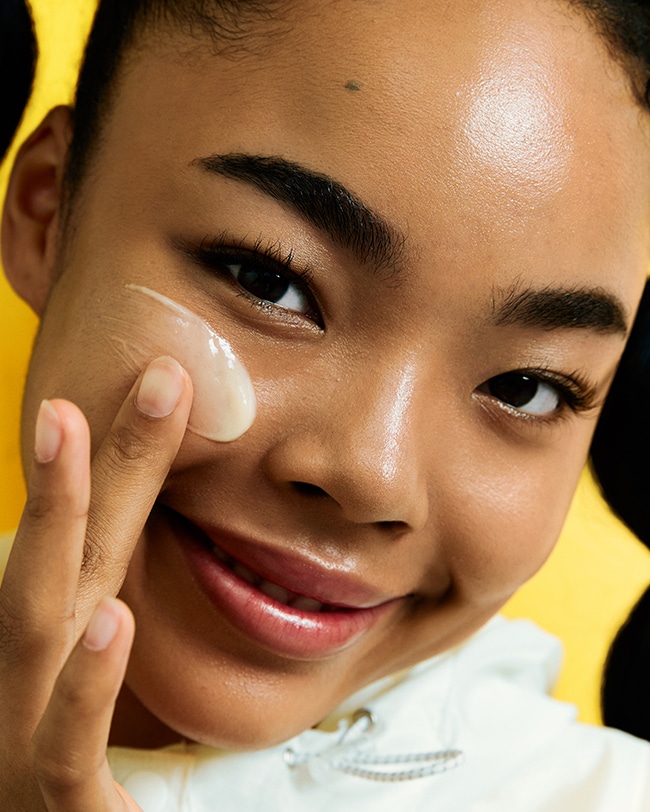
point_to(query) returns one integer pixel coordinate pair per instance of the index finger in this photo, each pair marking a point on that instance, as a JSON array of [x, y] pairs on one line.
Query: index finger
[[128, 472]]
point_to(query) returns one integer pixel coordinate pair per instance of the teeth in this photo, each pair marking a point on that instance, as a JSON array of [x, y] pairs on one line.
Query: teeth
[[221, 555], [279, 593], [245, 574], [307, 604]]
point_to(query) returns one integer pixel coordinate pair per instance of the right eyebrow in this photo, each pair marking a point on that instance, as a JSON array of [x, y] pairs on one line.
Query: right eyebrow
[[553, 308], [321, 201]]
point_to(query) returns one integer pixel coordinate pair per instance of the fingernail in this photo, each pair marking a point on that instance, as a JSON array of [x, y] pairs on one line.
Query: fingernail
[[102, 627], [48, 433], [161, 387]]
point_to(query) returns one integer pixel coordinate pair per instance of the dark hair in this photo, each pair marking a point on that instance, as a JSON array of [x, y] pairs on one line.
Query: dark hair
[[621, 460], [17, 63], [117, 26], [620, 450], [625, 26], [621, 445]]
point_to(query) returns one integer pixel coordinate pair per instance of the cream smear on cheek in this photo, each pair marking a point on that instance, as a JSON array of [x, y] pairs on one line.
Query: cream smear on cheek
[[146, 324]]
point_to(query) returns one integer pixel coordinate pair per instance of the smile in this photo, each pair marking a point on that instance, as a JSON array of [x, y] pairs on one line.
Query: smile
[[283, 621], [272, 590]]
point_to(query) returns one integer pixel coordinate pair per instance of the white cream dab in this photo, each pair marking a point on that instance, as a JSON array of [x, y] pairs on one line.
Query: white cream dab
[[224, 400]]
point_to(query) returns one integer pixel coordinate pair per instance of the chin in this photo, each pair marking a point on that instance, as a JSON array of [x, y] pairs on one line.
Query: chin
[[236, 714]]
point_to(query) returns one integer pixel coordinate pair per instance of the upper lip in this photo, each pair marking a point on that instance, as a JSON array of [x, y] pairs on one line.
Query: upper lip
[[327, 582]]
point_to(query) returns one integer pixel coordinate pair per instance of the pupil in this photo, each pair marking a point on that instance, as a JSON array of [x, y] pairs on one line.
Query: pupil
[[516, 390], [264, 284]]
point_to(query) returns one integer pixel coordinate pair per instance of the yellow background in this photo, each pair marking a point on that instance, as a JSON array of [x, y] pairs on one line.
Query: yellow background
[[582, 594]]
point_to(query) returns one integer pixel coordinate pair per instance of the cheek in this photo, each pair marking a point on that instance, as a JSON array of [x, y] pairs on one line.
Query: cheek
[[92, 348], [145, 323], [513, 509]]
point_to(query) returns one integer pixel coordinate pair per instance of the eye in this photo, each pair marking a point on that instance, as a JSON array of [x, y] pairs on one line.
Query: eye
[[526, 393], [270, 285], [264, 272]]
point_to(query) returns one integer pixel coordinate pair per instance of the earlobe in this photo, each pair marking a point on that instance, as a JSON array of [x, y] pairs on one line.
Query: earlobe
[[33, 209]]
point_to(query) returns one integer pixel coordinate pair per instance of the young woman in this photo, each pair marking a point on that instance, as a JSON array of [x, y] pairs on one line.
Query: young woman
[[331, 297]]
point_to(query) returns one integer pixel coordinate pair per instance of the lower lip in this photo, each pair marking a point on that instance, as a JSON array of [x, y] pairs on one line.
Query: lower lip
[[277, 628]]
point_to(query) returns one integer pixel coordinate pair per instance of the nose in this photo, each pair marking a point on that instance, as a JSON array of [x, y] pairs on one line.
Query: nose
[[356, 445]]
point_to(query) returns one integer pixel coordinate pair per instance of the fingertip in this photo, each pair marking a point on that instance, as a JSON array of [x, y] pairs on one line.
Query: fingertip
[[70, 415], [61, 454], [57, 421], [48, 433], [109, 617], [161, 387]]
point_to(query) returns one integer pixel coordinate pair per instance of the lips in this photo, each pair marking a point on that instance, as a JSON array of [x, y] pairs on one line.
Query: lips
[[279, 593], [284, 604]]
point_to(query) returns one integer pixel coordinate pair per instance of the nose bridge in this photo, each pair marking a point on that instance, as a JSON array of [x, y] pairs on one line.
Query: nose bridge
[[390, 418], [383, 463], [363, 450]]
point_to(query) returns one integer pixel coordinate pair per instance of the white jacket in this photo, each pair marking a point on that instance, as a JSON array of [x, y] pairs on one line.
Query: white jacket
[[521, 750]]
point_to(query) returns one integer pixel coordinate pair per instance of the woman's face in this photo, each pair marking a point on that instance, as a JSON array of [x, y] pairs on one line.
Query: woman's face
[[428, 370]]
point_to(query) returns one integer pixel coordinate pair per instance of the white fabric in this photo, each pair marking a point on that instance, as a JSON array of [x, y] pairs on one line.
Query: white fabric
[[524, 752]]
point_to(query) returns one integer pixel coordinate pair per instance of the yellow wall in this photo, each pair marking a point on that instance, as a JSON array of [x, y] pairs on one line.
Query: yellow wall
[[61, 28], [585, 591], [589, 583]]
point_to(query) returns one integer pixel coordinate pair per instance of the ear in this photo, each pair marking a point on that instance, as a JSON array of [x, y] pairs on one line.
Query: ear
[[32, 210]]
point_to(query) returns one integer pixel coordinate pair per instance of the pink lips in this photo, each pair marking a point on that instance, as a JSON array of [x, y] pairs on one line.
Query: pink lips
[[286, 605]]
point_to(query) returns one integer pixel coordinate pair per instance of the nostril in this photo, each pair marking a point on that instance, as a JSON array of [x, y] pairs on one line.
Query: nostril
[[394, 528], [307, 489]]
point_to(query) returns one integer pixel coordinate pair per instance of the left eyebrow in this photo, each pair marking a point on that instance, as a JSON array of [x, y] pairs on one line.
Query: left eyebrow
[[553, 308], [321, 201]]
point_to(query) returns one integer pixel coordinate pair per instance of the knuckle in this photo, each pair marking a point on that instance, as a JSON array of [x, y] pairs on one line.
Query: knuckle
[[50, 769], [43, 505], [98, 558], [26, 636], [58, 765], [73, 695], [39, 506], [128, 446], [94, 569], [92, 561]]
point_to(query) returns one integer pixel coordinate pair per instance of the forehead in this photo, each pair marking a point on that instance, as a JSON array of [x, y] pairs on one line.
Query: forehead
[[486, 123]]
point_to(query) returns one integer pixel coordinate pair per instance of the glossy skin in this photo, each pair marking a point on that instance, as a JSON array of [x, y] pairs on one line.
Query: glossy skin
[[505, 144]]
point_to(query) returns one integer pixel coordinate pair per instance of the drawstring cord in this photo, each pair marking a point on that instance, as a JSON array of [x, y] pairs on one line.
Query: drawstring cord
[[350, 754]]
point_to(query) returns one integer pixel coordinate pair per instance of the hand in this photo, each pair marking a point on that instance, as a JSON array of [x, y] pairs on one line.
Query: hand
[[57, 686]]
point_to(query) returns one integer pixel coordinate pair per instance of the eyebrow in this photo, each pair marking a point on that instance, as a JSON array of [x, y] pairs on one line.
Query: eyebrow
[[552, 308], [321, 201]]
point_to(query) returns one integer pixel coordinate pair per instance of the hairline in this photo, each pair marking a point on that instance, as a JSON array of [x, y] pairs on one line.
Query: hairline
[[231, 36], [229, 26]]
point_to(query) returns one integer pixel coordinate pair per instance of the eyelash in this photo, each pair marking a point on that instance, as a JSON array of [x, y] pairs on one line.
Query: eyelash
[[217, 253], [577, 395]]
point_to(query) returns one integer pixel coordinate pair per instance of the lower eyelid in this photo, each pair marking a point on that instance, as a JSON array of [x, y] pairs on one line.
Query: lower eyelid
[[504, 414], [277, 314], [575, 397]]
